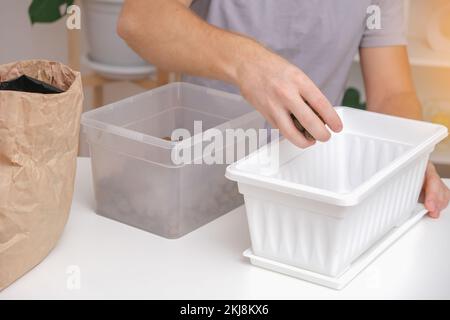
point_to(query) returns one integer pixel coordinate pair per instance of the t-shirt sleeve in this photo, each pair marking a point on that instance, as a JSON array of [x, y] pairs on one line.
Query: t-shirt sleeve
[[391, 31]]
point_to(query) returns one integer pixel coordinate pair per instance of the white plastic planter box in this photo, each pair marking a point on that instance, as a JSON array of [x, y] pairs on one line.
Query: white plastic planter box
[[135, 179], [325, 205]]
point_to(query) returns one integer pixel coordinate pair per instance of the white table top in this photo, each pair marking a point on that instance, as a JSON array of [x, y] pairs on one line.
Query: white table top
[[118, 261]]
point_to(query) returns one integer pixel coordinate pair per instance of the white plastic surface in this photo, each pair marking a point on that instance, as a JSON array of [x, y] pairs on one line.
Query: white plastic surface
[[357, 266], [325, 205], [135, 179]]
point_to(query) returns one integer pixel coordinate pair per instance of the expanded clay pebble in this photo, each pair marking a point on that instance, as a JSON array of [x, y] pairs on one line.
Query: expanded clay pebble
[[170, 139], [300, 128]]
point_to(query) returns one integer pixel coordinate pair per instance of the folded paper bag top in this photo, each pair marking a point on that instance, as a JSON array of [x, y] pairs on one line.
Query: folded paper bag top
[[38, 147]]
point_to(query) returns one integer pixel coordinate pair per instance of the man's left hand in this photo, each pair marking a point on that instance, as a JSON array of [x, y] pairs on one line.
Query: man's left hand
[[435, 194]]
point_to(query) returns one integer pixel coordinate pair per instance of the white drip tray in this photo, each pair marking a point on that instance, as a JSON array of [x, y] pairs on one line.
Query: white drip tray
[[356, 267]]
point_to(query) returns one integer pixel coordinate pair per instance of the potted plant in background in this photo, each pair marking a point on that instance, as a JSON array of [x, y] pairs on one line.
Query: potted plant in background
[[108, 54], [46, 11]]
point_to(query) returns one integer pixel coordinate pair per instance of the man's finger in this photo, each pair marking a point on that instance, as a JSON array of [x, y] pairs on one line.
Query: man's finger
[[289, 131], [433, 212], [308, 119], [432, 195], [443, 196], [317, 101]]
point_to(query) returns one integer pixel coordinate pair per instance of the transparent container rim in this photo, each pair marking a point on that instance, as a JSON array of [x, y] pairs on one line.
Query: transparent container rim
[[88, 118]]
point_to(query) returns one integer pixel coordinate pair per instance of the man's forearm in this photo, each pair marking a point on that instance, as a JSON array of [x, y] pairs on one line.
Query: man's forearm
[[388, 82], [402, 104], [168, 34]]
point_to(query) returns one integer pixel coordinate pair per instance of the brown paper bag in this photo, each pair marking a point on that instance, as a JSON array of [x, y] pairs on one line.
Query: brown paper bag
[[39, 136]]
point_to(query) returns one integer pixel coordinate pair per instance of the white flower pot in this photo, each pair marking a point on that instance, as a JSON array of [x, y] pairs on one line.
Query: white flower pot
[[106, 48]]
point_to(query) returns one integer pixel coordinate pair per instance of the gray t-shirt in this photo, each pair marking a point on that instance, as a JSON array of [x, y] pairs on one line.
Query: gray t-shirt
[[320, 36]]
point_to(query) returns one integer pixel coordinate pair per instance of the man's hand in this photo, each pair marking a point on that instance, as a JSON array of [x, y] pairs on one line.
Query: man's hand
[[278, 89], [435, 194], [172, 37]]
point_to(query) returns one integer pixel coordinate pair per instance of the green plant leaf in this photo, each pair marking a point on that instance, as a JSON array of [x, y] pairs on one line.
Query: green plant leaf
[[46, 10], [352, 98]]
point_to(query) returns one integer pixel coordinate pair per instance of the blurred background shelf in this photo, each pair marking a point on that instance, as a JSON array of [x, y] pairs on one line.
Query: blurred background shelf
[[441, 157], [421, 55]]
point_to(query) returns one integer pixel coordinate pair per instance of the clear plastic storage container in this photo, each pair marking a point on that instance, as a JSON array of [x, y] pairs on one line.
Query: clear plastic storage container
[[135, 180], [323, 206]]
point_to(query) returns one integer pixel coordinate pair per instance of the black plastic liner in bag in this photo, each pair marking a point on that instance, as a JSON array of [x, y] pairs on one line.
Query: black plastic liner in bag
[[25, 83]]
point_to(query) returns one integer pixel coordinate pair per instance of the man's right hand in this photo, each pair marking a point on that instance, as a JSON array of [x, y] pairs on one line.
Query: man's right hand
[[278, 89]]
